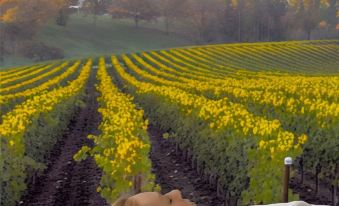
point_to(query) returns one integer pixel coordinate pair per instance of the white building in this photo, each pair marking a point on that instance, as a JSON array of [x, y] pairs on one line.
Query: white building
[[79, 6]]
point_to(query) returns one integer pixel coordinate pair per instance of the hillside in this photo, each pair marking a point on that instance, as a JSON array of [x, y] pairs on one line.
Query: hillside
[[81, 38]]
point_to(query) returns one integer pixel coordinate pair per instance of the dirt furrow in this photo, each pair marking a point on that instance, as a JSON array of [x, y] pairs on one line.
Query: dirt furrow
[[307, 192], [66, 182], [174, 173]]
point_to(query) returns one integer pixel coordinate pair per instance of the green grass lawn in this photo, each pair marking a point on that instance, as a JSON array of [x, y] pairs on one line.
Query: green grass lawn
[[81, 38]]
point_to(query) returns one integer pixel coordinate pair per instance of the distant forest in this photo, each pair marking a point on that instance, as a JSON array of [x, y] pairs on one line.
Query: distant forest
[[204, 21]]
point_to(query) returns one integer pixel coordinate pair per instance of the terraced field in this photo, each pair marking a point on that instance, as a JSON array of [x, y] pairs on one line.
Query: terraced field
[[226, 115]]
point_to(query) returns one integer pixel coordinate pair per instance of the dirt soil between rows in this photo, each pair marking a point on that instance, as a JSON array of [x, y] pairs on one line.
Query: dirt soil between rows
[[307, 193], [172, 172], [66, 182]]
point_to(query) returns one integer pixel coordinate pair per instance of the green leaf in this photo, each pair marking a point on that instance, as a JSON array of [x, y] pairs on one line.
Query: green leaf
[[82, 154]]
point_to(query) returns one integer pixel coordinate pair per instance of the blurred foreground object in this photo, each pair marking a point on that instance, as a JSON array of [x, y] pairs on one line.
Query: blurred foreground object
[[172, 198]]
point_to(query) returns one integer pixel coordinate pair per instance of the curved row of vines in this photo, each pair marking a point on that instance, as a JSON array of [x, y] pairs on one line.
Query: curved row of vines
[[237, 109]]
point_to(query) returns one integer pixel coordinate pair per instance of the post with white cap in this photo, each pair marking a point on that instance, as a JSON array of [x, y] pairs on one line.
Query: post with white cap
[[288, 163]]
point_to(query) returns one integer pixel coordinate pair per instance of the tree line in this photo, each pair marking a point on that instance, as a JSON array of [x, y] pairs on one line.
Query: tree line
[[205, 21], [235, 20]]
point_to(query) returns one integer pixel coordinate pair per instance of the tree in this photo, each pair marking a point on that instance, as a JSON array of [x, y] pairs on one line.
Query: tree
[[332, 13], [62, 16], [20, 20], [171, 10], [137, 10], [95, 8], [307, 15], [228, 25], [34, 11], [201, 18], [240, 9], [91, 7], [269, 15]]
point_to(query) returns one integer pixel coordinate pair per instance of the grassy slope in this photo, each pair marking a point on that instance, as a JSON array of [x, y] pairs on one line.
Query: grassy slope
[[81, 38]]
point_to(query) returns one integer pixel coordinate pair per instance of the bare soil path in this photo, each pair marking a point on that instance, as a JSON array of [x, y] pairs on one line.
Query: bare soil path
[[307, 191], [172, 172], [66, 182]]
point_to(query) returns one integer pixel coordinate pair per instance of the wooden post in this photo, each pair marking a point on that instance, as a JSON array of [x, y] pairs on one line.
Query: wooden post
[[317, 172], [288, 163], [302, 171]]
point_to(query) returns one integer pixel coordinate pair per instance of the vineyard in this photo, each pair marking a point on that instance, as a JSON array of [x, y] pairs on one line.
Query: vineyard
[[226, 115]]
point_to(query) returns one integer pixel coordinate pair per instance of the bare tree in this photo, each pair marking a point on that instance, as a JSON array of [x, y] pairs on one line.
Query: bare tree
[[137, 10], [171, 10]]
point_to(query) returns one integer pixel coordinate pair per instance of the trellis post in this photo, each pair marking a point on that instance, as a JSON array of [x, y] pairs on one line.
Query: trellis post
[[288, 162]]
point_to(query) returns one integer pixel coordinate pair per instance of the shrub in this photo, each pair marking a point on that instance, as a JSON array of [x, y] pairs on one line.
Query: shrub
[[41, 52]]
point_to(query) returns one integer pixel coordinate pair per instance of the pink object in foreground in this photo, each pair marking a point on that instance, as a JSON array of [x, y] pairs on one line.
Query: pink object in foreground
[[172, 198]]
